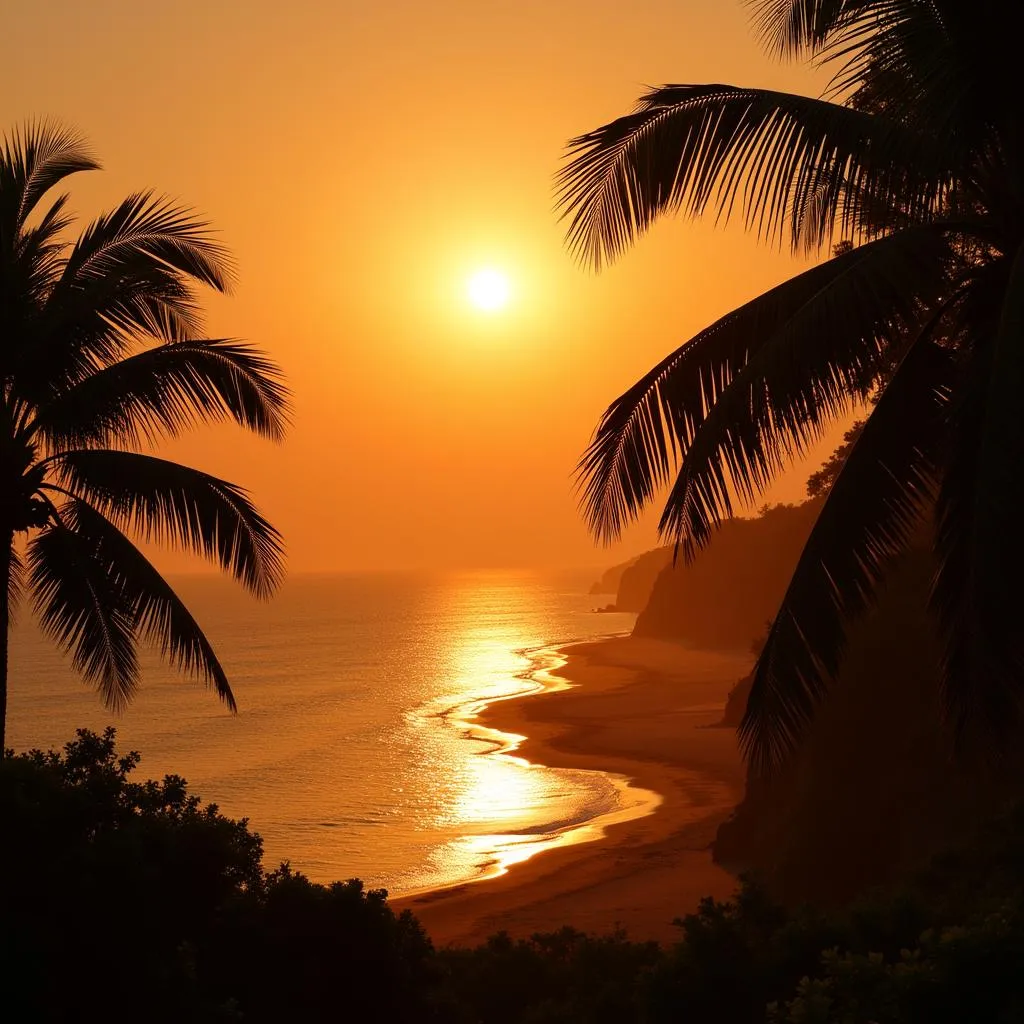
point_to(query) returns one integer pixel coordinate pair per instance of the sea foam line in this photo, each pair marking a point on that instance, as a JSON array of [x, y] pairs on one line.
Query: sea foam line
[[497, 852]]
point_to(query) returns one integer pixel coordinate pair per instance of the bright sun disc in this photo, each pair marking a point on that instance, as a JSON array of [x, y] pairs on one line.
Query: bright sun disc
[[488, 289]]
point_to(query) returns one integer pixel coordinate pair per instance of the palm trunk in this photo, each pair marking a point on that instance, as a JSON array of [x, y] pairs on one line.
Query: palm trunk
[[6, 545]]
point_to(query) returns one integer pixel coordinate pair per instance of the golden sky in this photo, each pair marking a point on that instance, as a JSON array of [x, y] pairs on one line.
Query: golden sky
[[362, 159]]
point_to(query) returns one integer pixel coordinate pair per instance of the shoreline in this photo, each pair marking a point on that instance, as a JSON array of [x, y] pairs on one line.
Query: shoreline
[[475, 721], [637, 711]]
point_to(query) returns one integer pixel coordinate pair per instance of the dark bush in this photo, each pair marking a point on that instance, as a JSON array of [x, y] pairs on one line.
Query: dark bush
[[293, 950], [548, 978], [133, 901]]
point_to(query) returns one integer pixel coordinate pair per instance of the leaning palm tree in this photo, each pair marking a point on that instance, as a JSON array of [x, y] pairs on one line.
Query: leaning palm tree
[[916, 154], [101, 351]]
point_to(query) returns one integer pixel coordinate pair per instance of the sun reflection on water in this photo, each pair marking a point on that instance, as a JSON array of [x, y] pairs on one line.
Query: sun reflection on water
[[502, 808], [499, 791]]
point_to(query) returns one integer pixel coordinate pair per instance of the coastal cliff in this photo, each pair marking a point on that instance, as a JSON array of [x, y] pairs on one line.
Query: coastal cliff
[[609, 581], [733, 587], [637, 582], [632, 582]]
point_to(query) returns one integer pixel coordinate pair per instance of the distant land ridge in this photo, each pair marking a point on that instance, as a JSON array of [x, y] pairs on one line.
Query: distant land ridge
[[632, 582], [733, 587]]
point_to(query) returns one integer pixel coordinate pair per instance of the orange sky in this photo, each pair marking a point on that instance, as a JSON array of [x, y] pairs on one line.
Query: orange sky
[[361, 159]]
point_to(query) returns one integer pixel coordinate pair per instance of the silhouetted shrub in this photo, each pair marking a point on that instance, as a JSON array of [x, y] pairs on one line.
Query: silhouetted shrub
[[106, 884], [548, 978], [734, 957], [123, 900], [953, 975], [293, 950]]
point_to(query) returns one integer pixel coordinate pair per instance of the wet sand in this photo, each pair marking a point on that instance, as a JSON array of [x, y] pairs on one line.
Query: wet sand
[[643, 709]]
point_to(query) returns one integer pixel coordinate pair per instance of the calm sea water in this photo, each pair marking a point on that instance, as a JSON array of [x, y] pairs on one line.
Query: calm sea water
[[353, 752]]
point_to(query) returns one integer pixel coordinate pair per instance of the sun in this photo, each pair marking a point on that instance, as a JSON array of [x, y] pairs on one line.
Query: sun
[[488, 289]]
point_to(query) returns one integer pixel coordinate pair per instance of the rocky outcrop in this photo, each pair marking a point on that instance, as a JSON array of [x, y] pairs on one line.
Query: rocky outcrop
[[734, 586], [609, 581], [736, 702], [638, 579], [633, 580]]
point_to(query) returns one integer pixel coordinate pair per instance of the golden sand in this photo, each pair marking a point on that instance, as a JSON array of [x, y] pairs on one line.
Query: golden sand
[[645, 710]]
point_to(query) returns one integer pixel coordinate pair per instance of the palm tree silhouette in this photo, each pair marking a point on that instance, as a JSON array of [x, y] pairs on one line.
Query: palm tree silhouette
[[917, 155], [101, 350]]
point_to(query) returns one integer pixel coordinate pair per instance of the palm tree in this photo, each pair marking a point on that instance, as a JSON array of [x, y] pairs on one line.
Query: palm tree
[[916, 154], [101, 351]]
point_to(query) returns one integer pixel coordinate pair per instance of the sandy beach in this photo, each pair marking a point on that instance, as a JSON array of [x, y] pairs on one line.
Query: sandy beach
[[645, 710]]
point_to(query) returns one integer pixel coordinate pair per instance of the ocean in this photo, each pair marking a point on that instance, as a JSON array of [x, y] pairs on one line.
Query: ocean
[[354, 753]]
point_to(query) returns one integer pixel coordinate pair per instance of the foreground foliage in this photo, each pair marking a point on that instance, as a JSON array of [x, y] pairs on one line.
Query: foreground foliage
[[124, 900], [915, 156], [133, 901]]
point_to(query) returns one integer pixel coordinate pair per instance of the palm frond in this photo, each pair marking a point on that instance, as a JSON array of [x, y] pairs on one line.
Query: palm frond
[[169, 503], [157, 612], [147, 227], [83, 330], [33, 159], [914, 60], [790, 28], [167, 389], [81, 610], [796, 383], [946, 66], [980, 545], [41, 248], [643, 434], [15, 585], [129, 278], [776, 155], [868, 517]]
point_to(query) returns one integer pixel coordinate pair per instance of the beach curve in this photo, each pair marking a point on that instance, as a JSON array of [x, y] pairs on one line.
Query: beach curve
[[639, 711]]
